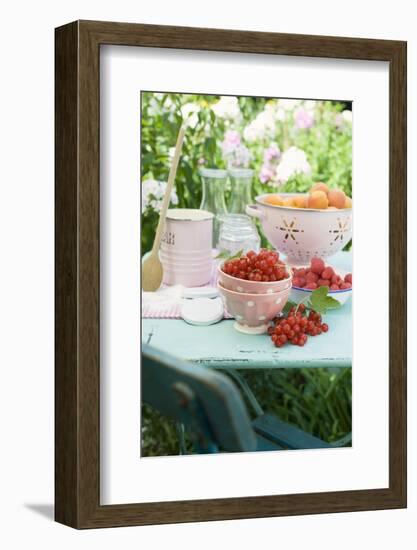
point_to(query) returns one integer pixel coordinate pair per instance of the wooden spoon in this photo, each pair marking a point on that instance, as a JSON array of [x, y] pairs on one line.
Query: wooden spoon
[[152, 270]]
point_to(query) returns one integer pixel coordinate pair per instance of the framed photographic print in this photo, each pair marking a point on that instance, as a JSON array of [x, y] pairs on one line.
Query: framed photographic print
[[215, 192]]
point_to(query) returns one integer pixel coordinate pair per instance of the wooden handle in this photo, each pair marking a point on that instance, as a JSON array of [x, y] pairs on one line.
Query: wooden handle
[[168, 190]]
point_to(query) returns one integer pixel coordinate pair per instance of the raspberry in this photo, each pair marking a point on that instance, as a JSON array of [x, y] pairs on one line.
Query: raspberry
[[334, 287], [299, 281], [323, 282], [327, 273], [348, 278], [311, 286], [345, 286], [317, 265], [312, 277]]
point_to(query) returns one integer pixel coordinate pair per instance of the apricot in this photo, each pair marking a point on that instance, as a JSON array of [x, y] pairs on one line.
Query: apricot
[[300, 201], [317, 200], [288, 201], [275, 200], [336, 198], [319, 186], [348, 202]]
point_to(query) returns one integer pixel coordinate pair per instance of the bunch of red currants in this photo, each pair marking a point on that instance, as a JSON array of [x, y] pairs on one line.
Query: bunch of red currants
[[296, 326], [262, 267]]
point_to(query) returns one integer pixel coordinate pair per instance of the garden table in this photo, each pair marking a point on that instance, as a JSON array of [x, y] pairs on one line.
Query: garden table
[[220, 346]]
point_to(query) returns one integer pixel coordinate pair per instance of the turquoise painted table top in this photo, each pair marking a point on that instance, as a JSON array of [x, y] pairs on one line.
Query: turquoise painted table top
[[221, 346]]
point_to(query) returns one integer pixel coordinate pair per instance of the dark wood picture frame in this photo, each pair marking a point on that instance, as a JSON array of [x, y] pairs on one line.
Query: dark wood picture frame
[[77, 374]]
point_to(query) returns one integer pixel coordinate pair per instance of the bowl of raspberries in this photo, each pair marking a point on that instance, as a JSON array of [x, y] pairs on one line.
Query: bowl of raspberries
[[318, 274]]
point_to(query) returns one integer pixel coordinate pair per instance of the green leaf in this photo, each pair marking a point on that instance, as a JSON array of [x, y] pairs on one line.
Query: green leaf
[[321, 302], [226, 255]]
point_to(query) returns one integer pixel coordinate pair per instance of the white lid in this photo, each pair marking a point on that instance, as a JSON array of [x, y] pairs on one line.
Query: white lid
[[202, 311], [190, 214]]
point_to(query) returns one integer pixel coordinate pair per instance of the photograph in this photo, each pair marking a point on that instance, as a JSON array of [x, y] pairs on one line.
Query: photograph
[[246, 251]]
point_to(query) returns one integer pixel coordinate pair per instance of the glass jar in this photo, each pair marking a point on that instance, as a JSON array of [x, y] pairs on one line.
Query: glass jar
[[214, 183], [241, 190], [237, 232]]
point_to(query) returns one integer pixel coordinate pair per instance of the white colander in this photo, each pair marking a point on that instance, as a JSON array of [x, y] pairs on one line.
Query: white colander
[[302, 233]]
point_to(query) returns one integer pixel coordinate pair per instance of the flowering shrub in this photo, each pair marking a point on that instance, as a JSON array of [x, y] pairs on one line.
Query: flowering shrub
[[152, 194], [235, 154], [290, 143]]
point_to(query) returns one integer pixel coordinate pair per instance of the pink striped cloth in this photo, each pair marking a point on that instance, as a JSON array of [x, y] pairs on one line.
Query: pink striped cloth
[[166, 302]]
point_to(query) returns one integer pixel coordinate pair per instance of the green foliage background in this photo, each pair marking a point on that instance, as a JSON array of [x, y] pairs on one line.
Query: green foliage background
[[328, 145]]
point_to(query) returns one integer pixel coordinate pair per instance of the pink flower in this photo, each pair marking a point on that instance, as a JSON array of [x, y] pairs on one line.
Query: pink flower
[[303, 119], [267, 173], [272, 153], [232, 137]]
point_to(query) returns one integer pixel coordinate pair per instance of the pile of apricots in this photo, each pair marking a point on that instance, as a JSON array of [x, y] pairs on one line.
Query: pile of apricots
[[320, 197]]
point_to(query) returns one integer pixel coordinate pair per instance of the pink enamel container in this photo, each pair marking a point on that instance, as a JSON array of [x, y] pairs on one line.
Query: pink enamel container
[[253, 312], [301, 233], [252, 287], [185, 251]]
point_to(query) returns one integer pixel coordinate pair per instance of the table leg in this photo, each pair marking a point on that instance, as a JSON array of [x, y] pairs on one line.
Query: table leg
[[246, 389], [342, 442], [181, 437]]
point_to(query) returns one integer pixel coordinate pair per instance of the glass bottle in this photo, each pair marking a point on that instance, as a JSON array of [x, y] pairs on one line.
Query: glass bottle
[[214, 182], [241, 190], [237, 232]]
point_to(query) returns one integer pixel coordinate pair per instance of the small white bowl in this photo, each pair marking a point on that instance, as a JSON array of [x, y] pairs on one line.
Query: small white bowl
[[342, 296], [299, 294]]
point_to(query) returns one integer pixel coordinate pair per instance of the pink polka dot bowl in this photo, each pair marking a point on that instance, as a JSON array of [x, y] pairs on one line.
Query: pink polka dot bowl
[[252, 287], [253, 312]]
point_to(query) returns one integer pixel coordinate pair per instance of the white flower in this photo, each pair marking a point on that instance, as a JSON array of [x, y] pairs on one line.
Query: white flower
[[189, 114], [347, 116], [288, 104], [280, 114], [227, 107], [294, 161], [271, 106], [262, 126], [171, 153], [235, 153], [309, 104], [168, 103], [238, 158], [152, 194]]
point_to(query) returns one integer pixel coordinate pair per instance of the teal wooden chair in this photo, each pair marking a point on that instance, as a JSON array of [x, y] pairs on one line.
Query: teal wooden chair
[[210, 407]]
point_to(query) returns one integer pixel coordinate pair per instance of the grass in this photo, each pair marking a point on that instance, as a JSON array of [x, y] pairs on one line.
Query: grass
[[318, 401]]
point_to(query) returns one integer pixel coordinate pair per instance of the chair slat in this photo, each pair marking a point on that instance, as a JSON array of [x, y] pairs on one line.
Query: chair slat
[[219, 399]]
